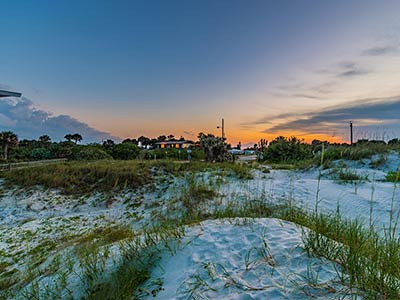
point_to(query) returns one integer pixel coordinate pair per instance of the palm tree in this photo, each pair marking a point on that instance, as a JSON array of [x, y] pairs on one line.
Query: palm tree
[[44, 140], [8, 139]]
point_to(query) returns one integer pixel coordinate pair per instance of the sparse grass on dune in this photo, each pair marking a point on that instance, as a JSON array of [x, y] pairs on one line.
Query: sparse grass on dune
[[349, 176], [82, 177], [109, 175], [87, 257], [369, 260]]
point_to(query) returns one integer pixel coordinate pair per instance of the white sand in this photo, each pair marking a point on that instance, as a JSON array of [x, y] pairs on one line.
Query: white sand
[[29, 218], [212, 264]]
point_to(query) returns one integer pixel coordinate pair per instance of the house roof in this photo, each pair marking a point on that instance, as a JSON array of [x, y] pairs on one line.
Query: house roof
[[174, 142], [9, 94]]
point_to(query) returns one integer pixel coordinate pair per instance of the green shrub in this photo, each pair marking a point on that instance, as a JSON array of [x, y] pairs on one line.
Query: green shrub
[[287, 150], [355, 152], [215, 148], [350, 176], [92, 154], [172, 153], [19, 153], [40, 153], [393, 176], [125, 151]]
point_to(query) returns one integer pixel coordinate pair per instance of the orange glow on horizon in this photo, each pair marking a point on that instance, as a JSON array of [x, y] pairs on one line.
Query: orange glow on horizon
[[246, 137]]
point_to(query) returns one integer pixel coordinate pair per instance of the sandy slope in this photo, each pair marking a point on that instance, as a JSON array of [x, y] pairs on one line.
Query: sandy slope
[[239, 259], [32, 221]]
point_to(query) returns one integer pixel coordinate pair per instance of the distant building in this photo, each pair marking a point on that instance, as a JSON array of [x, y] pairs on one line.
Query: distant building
[[174, 144]]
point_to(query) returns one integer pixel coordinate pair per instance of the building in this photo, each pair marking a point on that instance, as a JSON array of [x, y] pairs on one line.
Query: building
[[174, 144], [9, 94]]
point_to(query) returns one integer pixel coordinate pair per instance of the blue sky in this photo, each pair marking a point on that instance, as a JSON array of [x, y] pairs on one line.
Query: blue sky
[[129, 68]]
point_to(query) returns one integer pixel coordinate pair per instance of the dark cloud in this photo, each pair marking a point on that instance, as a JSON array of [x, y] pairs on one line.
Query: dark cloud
[[381, 50], [189, 133], [366, 113], [306, 96], [350, 69], [21, 116]]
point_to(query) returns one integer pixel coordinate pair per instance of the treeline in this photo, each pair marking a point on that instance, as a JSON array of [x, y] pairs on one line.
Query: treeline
[[293, 149], [208, 147], [14, 150]]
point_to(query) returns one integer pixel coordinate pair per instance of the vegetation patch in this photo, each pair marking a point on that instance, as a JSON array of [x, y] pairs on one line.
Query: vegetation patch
[[349, 176], [82, 177], [393, 176]]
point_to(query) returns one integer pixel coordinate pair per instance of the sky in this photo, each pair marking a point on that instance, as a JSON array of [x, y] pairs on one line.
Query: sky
[[118, 69]]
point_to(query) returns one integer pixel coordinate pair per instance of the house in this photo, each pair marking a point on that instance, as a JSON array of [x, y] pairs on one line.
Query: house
[[174, 144]]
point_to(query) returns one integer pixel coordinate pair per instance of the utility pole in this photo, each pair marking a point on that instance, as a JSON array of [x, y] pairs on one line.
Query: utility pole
[[222, 128], [351, 132]]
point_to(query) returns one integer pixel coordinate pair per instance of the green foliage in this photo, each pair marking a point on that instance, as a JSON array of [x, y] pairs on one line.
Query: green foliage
[[91, 153], [369, 261], [393, 176], [63, 149], [215, 148], [349, 153], [172, 153], [8, 140], [287, 150], [82, 178], [40, 153], [348, 176], [125, 151], [355, 152]]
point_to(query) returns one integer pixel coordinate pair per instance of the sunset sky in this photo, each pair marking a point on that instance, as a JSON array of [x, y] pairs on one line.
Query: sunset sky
[[129, 68]]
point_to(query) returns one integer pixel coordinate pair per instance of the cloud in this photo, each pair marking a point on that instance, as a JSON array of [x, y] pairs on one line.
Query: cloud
[[381, 50], [306, 96], [350, 69], [366, 115], [189, 133], [21, 117]]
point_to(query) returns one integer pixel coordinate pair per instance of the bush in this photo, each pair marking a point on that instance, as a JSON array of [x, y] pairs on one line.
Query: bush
[[393, 176], [174, 154], [215, 148], [92, 154], [287, 150], [19, 153], [125, 151], [40, 153], [350, 176], [64, 149]]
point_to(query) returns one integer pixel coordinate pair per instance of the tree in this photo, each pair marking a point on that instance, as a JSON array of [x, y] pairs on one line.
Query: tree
[[132, 141], [262, 144], [144, 140], [68, 137], [108, 144], [8, 139], [214, 148], [161, 138], [125, 151], [44, 140], [76, 137]]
